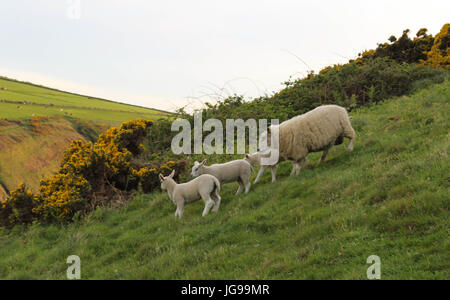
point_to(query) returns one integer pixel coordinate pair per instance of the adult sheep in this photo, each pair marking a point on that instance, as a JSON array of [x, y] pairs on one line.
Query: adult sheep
[[315, 131]]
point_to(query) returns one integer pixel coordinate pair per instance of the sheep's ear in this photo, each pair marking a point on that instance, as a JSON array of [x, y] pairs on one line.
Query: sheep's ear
[[161, 177], [195, 163], [204, 162], [247, 156], [172, 174]]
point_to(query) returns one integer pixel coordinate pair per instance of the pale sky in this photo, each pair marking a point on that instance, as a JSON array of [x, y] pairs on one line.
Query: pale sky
[[166, 54]]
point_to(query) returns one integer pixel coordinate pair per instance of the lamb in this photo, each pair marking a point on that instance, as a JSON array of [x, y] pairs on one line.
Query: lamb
[[256, 159], [315, 131], [206, 187], [236, 170]]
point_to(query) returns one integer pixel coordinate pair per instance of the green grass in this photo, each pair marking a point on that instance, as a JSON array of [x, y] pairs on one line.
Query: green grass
[[49, 102], [390, 198]]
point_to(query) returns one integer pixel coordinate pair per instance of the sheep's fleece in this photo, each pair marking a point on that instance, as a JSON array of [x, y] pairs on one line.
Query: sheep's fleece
[[314, 131]]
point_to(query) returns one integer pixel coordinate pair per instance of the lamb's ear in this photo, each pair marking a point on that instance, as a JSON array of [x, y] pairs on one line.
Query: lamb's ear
[[195, 163], [204, 162], [161, 177], [172, 174], [247, 156]]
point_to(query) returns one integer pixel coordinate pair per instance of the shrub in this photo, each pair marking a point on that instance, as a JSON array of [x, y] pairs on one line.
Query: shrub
[[148, 176], [18, 208], [61, 197], [439, 54]]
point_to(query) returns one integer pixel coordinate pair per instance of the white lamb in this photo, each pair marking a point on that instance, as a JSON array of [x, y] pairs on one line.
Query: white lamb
[[206, 187], [315, 131], [255, 159], [236, 170]]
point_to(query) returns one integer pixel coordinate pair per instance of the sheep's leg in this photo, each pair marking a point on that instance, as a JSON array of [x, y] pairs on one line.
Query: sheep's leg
[[324, 155], [295, 166], [274, 173], [217, 200], [246, 184], [209, 203], [260, 172], [350, 146], [241, 187], [349, 133], [180, 210], [299, 165]]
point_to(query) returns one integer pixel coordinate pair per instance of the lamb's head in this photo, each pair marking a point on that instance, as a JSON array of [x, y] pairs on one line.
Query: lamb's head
[[255, 158], [197, 169], [252, 159], [164, 180]]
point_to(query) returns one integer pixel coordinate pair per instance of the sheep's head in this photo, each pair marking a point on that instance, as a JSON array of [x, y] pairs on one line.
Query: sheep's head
[[197, 168], [165, 179]]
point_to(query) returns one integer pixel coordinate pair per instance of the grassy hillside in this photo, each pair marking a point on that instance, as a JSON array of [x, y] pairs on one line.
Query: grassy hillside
[[390, 198], [24, 100]]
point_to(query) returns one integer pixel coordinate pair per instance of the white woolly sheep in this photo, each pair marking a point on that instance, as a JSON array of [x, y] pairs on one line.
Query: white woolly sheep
[[206, 187], [315, 131], [236, 170]]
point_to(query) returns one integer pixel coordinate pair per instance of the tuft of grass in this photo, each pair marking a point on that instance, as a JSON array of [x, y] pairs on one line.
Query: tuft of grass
[[387, 198]]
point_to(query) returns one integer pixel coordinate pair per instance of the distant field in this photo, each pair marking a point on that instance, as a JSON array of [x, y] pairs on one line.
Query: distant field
[[41, 101]]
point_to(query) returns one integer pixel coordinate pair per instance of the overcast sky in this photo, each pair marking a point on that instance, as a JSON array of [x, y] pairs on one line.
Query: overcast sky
[[165, 54]]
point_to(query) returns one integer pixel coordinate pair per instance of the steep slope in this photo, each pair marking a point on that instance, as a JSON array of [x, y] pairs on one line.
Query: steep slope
[[387, 198], [32, 150]]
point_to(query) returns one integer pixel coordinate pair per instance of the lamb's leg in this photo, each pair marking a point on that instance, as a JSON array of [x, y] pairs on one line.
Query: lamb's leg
[[324, 155], [208, 204], [260, 172], [247, 184], [216, 197], [274, 173], [180, 210], [241, 187]]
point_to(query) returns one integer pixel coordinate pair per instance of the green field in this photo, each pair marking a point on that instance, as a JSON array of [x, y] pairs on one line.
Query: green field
[[41, 101], [390, 198]]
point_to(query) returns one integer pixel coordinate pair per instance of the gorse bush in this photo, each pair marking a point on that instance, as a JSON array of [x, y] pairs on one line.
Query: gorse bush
[[18, 208], [439, 54], [423, 49], [91, 174], [61, 197]]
